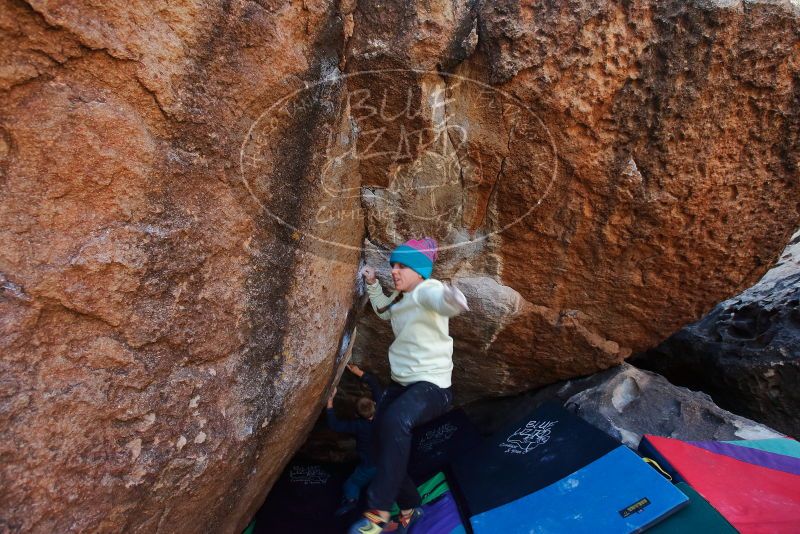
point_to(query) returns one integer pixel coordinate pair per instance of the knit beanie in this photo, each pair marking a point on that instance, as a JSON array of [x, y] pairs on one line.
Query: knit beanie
[[417, 254]]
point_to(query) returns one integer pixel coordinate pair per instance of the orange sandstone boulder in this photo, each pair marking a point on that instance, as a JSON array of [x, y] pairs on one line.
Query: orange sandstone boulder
[[187, 188], [597, 174]]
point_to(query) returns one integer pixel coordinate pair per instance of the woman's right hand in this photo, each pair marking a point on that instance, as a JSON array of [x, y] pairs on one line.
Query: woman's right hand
[[356, 370], [368, 272], [454, 297]]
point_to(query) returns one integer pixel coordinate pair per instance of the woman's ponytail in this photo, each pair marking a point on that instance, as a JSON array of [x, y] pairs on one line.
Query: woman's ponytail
[[396, 297]]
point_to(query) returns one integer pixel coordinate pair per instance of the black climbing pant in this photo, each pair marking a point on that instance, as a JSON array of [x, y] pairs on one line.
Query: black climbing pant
[[401, 410]]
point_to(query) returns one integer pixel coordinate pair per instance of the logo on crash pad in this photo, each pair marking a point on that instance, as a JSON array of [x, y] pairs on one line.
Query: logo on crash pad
[[308, 474], [527, 438], [437, 436]]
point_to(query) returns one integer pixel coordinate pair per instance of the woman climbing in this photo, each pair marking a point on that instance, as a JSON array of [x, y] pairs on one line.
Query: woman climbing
[[421, 361]]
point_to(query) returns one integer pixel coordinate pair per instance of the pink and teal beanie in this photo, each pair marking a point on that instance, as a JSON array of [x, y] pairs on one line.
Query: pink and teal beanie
[[417, 254]]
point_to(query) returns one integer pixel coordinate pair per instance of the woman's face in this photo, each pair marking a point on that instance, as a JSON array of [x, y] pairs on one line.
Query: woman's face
[[405, 279]]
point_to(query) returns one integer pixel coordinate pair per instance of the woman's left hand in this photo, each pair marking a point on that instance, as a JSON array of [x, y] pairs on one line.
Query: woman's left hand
[[368, 272]]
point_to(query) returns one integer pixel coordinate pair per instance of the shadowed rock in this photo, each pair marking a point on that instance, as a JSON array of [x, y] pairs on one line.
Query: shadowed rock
[[626, 403], [746, 351]]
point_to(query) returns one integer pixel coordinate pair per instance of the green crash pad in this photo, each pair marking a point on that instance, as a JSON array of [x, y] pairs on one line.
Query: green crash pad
[[430, 490], [698, 516]]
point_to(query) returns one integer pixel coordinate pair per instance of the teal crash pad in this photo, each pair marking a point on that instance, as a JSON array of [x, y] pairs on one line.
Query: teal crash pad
[[699, 516]]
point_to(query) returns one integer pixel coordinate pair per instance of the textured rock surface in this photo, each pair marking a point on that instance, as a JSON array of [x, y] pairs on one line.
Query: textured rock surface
[[640, 157], [746, 352], [626, 403], [162, 351], [179, 242]]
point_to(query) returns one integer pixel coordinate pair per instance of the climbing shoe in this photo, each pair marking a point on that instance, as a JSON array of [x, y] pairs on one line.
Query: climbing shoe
[[372, 523], [346, 506], [404, 521]]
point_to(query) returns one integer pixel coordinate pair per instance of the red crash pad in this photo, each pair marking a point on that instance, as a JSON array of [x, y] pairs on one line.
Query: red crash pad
[[754, 499]]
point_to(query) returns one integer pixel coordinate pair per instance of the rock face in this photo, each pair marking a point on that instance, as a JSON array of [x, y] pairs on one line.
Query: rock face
[[598, 174], [626, 403], [746, 352], [163, 352], [186, 190]]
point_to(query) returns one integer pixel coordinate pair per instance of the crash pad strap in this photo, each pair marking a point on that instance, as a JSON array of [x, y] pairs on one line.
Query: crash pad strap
[[657, 467]]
